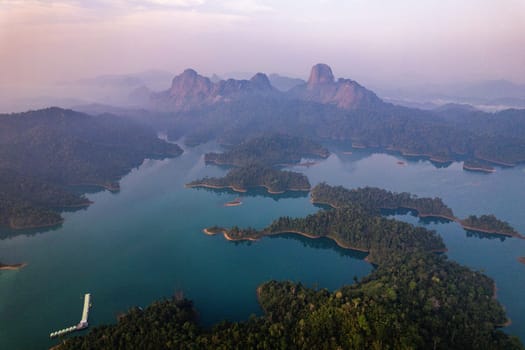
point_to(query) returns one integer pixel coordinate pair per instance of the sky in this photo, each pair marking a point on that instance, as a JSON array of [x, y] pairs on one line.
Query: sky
[[377, 41]]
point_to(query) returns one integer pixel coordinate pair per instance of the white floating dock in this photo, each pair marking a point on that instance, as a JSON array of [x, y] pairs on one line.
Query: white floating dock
[[83, 322]]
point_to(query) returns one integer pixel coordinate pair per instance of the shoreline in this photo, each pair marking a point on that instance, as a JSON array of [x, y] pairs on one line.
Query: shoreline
[[495, 296], [12, 267], [433, 158], [336, 240], [491, 232], [31, 227], [438, 216], [244, 190], [498, 162], [487, 170], [277, 233], [111, 188]]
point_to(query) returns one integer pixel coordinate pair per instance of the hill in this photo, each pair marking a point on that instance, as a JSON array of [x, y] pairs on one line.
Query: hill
[[45, 152]]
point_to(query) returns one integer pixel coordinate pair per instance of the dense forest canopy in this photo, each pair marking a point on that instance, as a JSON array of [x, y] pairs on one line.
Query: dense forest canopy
[[489, 137], [373, 199], [270, 150], [257, 161], [351, 227], [250, 176], [489, 223]]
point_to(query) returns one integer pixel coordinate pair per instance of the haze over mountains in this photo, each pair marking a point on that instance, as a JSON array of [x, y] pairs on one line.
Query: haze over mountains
[[133, 90]]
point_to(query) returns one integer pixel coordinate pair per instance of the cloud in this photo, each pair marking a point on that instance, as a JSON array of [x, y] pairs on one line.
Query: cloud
[[246, 6]]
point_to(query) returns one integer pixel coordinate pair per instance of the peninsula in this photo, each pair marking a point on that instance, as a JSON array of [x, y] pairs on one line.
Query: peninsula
[[271, 150], [374, 199], [351, 227], [47, 152]]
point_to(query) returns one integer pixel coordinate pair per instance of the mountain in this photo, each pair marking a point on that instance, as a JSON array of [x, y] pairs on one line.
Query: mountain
[[344, 93], [488, 95], [190, 90], [284, 83], [324, 108], [492, 89]]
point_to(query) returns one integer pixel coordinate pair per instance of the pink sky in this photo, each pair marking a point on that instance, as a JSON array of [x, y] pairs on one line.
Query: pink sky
[[406, 41]]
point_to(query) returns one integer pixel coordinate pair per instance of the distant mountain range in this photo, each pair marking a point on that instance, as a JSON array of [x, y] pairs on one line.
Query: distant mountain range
[[326, 108], [489, 95], [191, 90]]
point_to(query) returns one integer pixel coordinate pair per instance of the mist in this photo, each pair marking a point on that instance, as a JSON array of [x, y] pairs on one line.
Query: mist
[[385, 45]]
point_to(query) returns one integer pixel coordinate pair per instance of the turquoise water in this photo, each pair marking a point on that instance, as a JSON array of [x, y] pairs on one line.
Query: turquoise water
[[146, 242]]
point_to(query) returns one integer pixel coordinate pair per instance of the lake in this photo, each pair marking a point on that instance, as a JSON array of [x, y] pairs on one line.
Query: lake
[[146, 242]]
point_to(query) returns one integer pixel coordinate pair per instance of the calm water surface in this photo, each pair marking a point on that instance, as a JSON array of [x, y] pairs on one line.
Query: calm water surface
[[146, 242]]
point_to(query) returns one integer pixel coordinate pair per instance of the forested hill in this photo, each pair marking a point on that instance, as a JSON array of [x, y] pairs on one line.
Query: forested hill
[[44, 152]]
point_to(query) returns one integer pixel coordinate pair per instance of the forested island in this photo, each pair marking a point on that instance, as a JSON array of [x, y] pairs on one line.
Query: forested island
[[414, 301], [270, 150], [374, 199], [489, 224], [241, 179], [257, 163], [44, 153]]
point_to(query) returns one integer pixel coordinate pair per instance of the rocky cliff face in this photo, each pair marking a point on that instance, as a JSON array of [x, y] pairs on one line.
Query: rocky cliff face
[[345, 93], [190, 90]]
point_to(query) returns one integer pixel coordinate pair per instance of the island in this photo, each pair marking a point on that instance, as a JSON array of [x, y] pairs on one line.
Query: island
[[241, 179], [374, 199], [521, 259], [477, 166], [489, 224], [270, 150], [12, 266], [234, 203]]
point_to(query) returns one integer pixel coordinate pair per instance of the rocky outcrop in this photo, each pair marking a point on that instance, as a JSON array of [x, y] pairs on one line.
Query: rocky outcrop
[[323, 88], [190, 90]]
